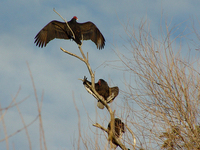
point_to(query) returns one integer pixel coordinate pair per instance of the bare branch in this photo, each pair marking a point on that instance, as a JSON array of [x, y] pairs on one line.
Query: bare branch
[[42, 136], [16, 103], [25, 127], [134, 140], [79, 121], [72, 54], [19, 130], [10, 105], [5, 130], [97, 96], [65, 22], [94, 92], [111, 135], [99, 126]]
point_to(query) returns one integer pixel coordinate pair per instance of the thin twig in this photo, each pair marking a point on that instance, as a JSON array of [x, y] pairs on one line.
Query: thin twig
[[5, 131], [10, 104], [79, 121], [99, 126], [134, 139], [72, 54], [19, 130], [22, 118], [42, 136]]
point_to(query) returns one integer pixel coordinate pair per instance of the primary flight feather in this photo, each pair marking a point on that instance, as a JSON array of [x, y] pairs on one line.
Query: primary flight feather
[[60, 30]]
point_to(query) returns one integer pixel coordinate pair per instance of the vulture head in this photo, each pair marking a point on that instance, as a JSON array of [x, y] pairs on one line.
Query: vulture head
[[74, 19]]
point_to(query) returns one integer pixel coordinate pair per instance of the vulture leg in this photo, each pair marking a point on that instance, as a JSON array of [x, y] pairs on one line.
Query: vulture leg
[[81, 40]]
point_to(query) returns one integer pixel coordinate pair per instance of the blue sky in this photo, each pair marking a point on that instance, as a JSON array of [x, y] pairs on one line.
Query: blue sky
[[57, 73]]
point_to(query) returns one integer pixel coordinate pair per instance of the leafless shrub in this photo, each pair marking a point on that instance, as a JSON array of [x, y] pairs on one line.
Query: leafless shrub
[[164, 88]]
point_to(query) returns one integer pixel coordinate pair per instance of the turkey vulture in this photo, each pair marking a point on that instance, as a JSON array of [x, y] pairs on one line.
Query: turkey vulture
[[119, 130], [60, 30], [102, 88]]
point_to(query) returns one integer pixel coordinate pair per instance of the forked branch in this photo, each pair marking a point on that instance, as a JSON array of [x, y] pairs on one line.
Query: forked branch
[[96, 95], [112, 135]]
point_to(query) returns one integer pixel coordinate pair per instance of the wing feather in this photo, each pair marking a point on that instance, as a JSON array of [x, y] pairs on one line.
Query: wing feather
[[91, 32], [53, 29], [113, 92]]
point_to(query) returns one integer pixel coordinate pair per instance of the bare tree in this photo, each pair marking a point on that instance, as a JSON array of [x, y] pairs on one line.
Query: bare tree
[[164, 88], [91, 90]]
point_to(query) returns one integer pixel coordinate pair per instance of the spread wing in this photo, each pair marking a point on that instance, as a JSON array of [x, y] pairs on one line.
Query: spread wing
[[53, 29], [113, 92], [91, 32]]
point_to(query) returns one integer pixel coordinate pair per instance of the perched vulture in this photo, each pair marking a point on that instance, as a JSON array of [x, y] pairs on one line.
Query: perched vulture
[[119, 130], [102, 88], [60, 30]]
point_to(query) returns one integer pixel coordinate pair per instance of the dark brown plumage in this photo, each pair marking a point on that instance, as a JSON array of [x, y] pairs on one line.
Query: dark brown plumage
[[102, 89], [60, 30], [119, 130]]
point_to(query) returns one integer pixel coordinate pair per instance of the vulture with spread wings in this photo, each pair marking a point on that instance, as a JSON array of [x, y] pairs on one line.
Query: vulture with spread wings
[[60, 30], [102, 88]]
